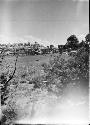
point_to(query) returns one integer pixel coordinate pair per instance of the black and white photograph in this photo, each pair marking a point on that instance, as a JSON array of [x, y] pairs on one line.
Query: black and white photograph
[[44, 62]]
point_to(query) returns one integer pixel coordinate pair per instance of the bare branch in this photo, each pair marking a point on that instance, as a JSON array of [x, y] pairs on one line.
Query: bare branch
[[11, 76]]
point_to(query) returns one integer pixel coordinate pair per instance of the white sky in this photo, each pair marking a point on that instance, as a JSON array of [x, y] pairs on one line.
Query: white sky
[[43, 20]]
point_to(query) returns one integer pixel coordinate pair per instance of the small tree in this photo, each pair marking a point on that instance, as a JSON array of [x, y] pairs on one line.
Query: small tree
[[72, 42], [5, 82]]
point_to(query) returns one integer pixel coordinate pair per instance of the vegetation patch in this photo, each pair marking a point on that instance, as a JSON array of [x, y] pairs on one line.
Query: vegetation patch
[[26, 85]]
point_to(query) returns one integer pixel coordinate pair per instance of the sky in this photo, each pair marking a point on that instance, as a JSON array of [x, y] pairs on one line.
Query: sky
[[46, 21]]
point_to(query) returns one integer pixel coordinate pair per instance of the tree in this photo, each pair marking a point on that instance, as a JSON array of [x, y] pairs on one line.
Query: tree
[[72, 42], [5, 83], [87, 39], [51, 47], [60, 48], [28, 43]]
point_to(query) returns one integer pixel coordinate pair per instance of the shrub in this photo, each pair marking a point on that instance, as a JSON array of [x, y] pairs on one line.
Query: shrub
[[65, 69]]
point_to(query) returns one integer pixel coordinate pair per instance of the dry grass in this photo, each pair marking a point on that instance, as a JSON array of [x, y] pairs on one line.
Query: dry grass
[[45, 104]]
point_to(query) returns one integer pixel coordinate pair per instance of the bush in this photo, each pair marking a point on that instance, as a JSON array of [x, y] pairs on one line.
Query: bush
[[65, 69]]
